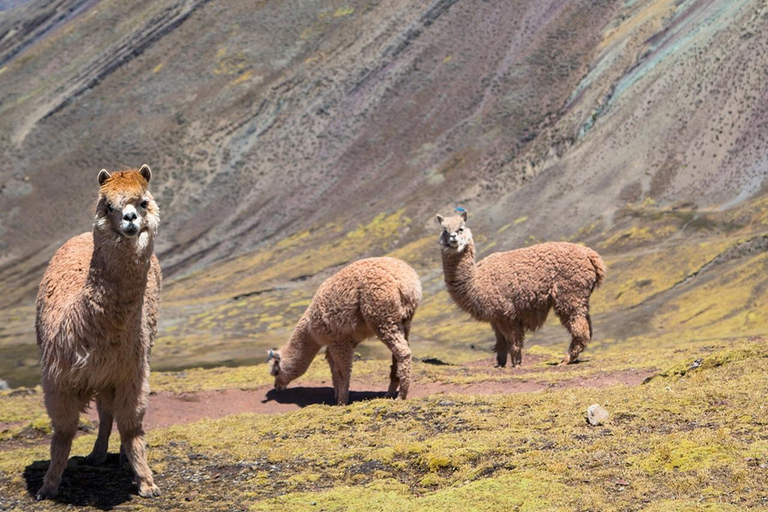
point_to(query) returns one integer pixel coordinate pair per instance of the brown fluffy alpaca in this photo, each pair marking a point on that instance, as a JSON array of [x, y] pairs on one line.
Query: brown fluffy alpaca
[[515, 290], [375, 296], [96, 323]]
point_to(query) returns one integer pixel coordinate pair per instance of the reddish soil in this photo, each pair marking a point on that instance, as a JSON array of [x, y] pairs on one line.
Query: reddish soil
[[168, 409]]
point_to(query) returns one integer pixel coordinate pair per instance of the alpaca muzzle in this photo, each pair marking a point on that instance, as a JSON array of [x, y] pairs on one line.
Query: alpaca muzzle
[[130, 225]]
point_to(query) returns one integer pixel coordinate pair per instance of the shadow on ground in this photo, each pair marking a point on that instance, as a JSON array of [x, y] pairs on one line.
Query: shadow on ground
[[103, 487], [303, 397]]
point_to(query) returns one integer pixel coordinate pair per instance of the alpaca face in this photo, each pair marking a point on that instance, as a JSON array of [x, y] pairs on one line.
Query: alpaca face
[[281, 378], [126, 209], [456, 236]]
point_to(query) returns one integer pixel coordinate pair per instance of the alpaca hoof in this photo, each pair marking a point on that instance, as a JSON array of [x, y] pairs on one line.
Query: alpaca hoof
[[96, 459], [149, 491], [47, 493], [390, 395]]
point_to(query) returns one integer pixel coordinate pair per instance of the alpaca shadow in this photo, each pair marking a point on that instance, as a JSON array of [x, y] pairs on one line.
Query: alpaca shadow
[[102, 487], [578, 361], [303, 397]]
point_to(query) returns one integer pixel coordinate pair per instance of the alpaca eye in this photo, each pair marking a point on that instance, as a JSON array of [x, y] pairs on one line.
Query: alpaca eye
[[144, 204], [110, 207], [461, 230]]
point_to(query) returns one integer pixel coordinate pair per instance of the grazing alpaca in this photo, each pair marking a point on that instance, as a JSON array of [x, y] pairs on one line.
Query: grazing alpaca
[[515, 290], [372, 296], [96, 323]]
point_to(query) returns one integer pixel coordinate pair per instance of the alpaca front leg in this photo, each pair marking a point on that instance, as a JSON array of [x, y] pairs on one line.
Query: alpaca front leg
[[501, 348], [104, 406], [129, 413], [342, 355], [64, 411], [334, 375]]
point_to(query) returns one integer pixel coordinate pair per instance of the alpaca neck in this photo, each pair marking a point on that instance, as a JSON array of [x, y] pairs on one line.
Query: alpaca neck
[[298, 353], [459, 270], [117, 279]]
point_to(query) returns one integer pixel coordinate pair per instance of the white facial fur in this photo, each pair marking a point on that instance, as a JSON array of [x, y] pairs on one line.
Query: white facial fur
[[456, 235]]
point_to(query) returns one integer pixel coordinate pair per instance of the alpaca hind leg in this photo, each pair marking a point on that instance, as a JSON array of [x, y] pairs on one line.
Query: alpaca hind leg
[[517, 339], [104, 405], [130, 406], [501, 348], [342, 354], [580, 328], [64, 410], [394, 380], [393, 336]]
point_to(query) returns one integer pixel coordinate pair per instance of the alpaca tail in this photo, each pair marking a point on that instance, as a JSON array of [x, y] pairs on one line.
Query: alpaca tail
[[599, 266]]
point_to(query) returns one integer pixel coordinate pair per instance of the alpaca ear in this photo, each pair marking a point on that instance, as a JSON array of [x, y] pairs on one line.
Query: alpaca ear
[[146, 172], [103, 176], [465, 215], [439, 219]]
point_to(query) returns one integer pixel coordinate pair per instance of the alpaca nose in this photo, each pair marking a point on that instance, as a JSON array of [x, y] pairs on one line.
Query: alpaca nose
[[129, 216]]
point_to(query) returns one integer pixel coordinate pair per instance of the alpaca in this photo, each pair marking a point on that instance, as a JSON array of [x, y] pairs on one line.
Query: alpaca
[[371, 296], [96, 323], [515, 290]]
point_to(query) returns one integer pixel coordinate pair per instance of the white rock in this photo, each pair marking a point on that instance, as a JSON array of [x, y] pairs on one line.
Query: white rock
[[597, 415]]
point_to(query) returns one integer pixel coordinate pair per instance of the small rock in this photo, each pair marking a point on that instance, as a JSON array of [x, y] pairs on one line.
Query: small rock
[[4, 385], [597, 415]]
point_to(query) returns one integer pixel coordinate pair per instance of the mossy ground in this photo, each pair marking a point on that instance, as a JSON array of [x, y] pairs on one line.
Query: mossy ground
[[691, 438], [673, 306]]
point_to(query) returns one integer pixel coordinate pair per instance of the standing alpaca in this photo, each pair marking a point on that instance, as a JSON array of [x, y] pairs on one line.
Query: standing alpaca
[[515, 290], [372, 296], [96, 323]]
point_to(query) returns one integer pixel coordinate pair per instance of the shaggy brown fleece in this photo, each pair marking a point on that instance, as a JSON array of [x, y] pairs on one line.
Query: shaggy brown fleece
[[515, 290], [375, 296], [96, 323]]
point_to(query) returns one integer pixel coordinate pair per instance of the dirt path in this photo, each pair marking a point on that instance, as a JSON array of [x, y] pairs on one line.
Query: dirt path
[[168, 409]]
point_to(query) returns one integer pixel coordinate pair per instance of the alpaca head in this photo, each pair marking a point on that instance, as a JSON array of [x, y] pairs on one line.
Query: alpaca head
[[126, 209], [456, 236], [282, 378]]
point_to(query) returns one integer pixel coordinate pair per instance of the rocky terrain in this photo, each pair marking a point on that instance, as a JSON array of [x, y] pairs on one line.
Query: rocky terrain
[[289, 138]]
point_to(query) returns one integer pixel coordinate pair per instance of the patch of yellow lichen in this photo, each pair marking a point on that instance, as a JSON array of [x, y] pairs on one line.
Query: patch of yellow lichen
[[675, 441]]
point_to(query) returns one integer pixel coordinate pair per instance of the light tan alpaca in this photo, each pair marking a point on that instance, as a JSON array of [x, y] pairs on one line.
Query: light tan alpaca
[[515, 290], [96, 323], [375, 296]]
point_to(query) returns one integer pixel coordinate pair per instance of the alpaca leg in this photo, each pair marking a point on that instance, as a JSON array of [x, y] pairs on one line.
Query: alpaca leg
[[394, 337], [104, 405], [501, 348], [402, 353], [580, 328], [334, 375], [394, 380], [130, 406], [517, 338], [342, 354], [64, 411]]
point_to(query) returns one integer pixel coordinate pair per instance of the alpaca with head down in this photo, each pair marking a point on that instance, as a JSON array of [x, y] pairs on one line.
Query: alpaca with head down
[[515, 290], [374, 296], [96, 323]]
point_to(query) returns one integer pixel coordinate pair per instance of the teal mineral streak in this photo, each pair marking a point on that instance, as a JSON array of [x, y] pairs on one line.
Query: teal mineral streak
[[698, 28]]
